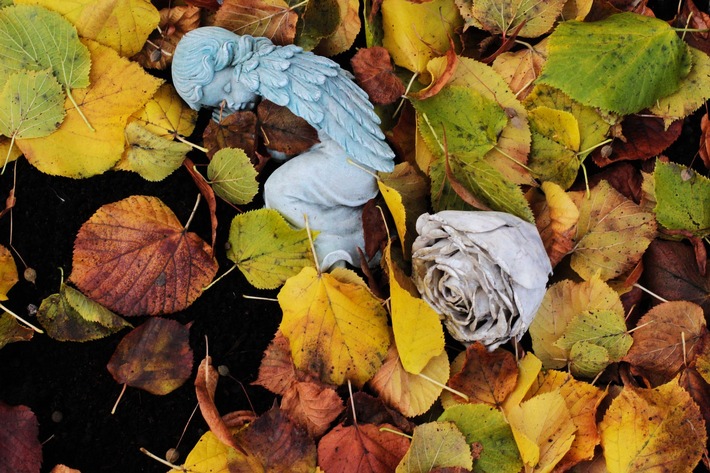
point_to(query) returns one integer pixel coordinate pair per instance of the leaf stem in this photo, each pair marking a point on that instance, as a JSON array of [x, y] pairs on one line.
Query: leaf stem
[[194, 211], [120, 396], [78, 109], [193, 145], [38, 330], [220, 278], [164, 462], [9, 152], [396, 432], [445, 387], [649, 292]]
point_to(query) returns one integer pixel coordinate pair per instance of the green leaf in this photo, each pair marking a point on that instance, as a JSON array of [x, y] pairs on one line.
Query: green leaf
[[482, 180], [606, 328], [682, 199], [587, 359], [486, 426], [71, 316], [552, 161], [319, 20], [150, 155], [266, 249], [623, 63], [232, 176], [436, 445], [35, 38], [31, 104], [471, 121]]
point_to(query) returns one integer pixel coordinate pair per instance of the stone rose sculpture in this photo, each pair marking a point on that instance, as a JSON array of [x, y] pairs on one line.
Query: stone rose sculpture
[[484, 272], [215, 68]]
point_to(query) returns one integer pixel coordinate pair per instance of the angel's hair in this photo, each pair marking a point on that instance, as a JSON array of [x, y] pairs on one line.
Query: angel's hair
[[203, 52]]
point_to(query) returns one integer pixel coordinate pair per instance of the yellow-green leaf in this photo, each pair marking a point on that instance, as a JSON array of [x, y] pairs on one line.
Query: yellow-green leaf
[[336, 328], [682, 198], [166, 114], [266, 249], [122, 25], [232, 176], [659, 429], [505, 16], [11, 331], [436, 445], [587, 359], [151, 156], [606, 328]]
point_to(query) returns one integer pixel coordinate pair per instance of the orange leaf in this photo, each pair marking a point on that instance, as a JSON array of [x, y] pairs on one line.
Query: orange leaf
[[704, 150], [361, 449], [157, 52], [556, 219], [277, 371], [156, 356], [486, 377], [667, 336], [205, 387], [312, 406], [273, 19], [134, 257], [63, 469]]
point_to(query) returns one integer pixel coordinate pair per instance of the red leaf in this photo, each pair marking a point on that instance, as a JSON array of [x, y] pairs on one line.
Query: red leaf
[[486, 377], [283, 131], [155, 356], [277, 371], [312, 406], [361, 448], [208, 194], [135, 258], [20, 451], [375, 74], [644, 137]]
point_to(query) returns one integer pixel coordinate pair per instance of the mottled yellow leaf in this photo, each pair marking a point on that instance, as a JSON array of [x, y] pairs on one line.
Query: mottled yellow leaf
[[534, 17], [563, 302], [528, 369], [166, 115], [659, 429], [544, 430], [336, 328], [122, 25], [209, 455], [8, 272], [556, 219], [612, 233], [414, 31], [558, 125], [410, 394], [436, 445], [118, 88]]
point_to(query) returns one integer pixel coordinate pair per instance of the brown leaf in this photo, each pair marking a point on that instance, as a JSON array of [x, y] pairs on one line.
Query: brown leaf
[[362, 448], [20, 450], [274, 444], [373, 410], [692, 17], [435, 87], [237, 130], [374, 73], [374, 227], [644, 137], [272, 19], [135, 258], [11, 331], [157, 53], [312, 406], [277, 371], [623, 177], [205, 387], [665, 338], [156, 356], [283, 131], [672, 273], [699, 390], [556, 219], [208, 194], [400, 136], [704, 151], [208, 4], [63, 469], [486, 377]]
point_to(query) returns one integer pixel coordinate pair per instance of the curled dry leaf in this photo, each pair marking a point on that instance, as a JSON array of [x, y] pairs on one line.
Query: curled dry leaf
[[556, 219], [704, 151], [134, 257], [20, 449], [153, 157], [375, 74], [666, 338], [361, 448], [157, 52], [156, 356], [284, 131], [273, 19], [372, 410], [486, 377]]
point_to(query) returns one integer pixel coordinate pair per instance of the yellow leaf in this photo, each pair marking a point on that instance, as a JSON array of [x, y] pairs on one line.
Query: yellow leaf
[[562, 303], [436, 445], [344, 36], [413, 31], [209, 455], [513, 144], [8, 272], [528, 369], [118, 88], [582, 400], [544, 431], [417, 328], [151, 156], [410, 394], [612, 233], [557, 125], [659, 429], [576, 9], [6, 152], [166, 115], [556, 219], [122, 25], [336, 328]]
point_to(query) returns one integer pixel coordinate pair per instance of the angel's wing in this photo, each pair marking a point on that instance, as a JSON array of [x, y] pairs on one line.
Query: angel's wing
[[316, 89]]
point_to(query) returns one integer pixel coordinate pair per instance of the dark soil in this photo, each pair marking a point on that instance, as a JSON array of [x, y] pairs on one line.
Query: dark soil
[[67, 384]]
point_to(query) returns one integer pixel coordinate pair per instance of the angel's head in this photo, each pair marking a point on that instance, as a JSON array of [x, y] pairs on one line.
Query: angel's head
[[207, 66]]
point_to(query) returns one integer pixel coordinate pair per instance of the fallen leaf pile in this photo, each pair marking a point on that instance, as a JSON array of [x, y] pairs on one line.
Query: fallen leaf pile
[[557, 112]]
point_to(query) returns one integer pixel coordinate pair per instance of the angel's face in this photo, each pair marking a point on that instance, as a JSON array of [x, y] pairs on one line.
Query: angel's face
[[226, 92]]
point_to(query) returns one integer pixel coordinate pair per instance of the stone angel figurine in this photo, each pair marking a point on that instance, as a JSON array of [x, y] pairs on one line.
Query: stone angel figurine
[[215, 68]]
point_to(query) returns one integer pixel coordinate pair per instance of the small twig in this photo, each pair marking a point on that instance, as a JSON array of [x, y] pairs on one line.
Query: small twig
[[38, 330], [164, 462]]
